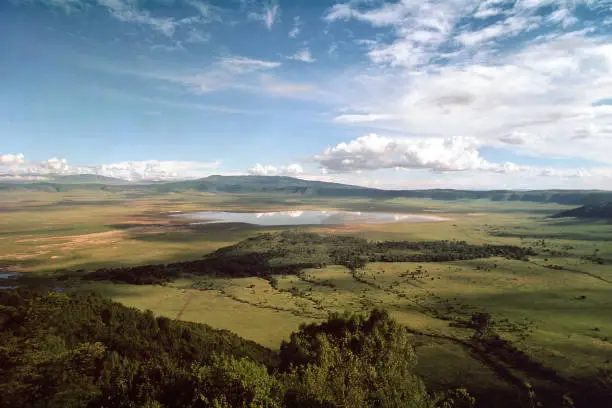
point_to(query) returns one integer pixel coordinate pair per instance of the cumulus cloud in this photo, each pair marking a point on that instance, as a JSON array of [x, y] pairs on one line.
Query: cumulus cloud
[[292, 170], [55, 165], [303, 55], [12, 159], [442, 75], [372, 160], [144, 170], [156, 169], [373, 152]]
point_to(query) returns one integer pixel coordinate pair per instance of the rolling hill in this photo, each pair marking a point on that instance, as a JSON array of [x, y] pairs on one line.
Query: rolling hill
[[295, 186], [601, 211]]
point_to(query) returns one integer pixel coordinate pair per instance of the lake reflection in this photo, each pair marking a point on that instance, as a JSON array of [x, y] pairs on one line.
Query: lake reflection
[[307, 217]]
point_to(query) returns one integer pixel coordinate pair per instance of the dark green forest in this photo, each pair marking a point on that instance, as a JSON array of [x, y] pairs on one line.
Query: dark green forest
[[74, 350], [289, 252]]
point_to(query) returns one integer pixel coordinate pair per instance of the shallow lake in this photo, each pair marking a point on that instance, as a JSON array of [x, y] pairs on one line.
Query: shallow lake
[[307, 217]]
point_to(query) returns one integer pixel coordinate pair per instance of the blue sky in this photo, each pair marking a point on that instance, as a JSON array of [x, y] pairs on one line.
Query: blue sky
[[402, 94]]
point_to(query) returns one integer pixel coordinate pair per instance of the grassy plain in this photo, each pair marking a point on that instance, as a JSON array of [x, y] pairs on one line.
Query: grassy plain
[[555, 307]]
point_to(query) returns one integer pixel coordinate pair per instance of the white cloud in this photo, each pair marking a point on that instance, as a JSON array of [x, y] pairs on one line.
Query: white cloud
[[515, 138], [511, 26], [176, 46], [156, 169], [295, 31], [291, 170], [207, 11], [194, 36], [362, 118], [279, 87], [372, 160], [373, 152], [12, 159], [302, 55], [68, 6], [234, 72], [269, 15], [128, 11], [128, 170], [244, 64], [442, 77], [55, 165]]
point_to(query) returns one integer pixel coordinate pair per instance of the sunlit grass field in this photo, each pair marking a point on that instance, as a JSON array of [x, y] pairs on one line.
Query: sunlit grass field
[[560, 317]]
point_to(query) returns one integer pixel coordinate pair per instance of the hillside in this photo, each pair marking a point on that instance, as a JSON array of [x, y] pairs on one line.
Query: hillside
[[86, 178], [602, 211], [310, 188], [71, 350]]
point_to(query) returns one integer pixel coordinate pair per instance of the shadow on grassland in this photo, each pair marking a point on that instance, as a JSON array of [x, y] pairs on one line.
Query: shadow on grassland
[[570, 229]]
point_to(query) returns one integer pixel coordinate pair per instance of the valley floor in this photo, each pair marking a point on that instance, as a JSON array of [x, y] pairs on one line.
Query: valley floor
[[553, 307]]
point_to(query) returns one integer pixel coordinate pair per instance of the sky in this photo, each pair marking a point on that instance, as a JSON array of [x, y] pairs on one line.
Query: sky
[[406, 94]]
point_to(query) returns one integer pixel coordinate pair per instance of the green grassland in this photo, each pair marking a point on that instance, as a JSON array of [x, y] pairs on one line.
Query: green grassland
[[553, 307]]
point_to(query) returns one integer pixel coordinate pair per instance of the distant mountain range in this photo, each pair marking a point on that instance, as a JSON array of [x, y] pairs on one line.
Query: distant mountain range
[[603, 211], [307, 188]]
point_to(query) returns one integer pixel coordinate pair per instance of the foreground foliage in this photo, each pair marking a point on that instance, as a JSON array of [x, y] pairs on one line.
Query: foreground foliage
[[69, 350]]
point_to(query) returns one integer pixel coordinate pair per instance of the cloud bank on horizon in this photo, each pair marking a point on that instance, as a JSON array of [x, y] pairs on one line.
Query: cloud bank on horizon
[[391, 94]]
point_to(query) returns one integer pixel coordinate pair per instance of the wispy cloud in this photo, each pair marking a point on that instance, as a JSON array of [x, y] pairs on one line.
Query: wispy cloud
[[232, 73], [176, 46], [269, 15], [278, 87], [194, 36], [172, 103], [303, 55], [130, 11], [362, 118], [126, 10], [207, 11], [295, 31], [245, 64]]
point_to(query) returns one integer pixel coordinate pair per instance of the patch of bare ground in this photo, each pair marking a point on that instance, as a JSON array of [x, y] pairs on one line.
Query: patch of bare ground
[[72, 242]]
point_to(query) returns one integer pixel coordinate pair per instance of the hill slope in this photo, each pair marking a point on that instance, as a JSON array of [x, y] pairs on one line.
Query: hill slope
[[310, 188], [603, 211]]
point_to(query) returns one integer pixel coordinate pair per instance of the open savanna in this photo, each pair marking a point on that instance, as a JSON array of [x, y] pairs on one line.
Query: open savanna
[[554, 307]]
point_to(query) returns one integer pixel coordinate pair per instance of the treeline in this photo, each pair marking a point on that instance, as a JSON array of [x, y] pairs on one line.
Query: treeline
[[289, 252], [70, 350]]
